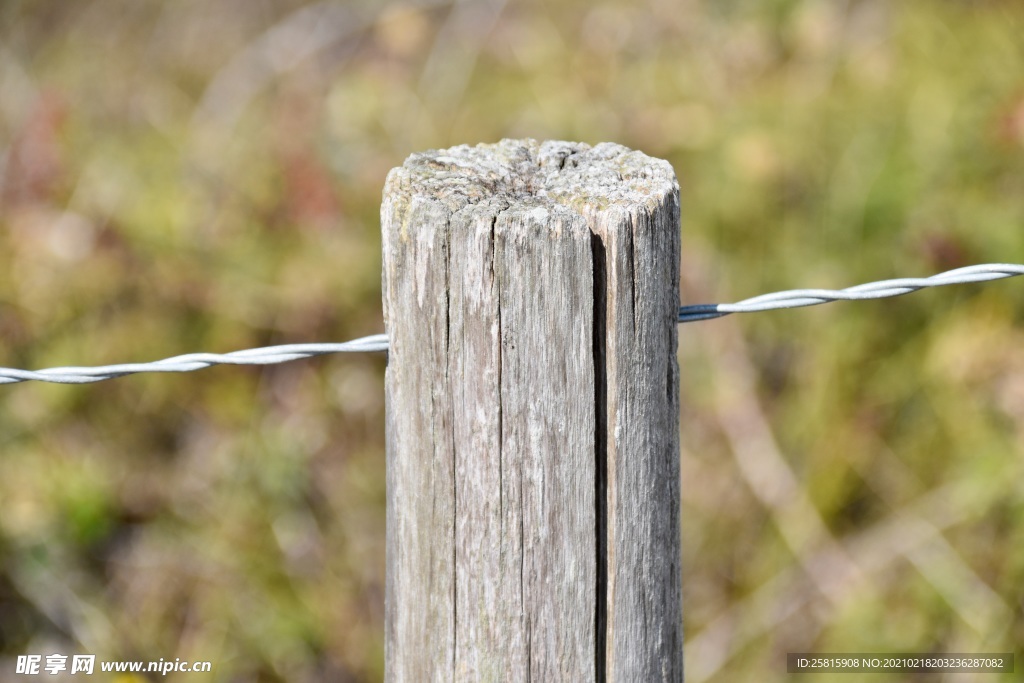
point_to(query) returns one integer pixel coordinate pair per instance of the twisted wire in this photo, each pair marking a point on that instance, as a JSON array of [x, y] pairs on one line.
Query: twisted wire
[[269, 355], [194, 361], [795, 298]]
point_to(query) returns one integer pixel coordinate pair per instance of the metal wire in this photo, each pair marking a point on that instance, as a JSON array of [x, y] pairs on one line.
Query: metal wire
[[379, 342], [194, 361], [795, 298]]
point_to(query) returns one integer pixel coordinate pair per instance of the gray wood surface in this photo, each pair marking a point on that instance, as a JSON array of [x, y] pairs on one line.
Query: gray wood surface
[[530, 298]]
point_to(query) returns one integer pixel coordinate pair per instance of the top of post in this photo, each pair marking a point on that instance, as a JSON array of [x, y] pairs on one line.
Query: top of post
[[550, 174]]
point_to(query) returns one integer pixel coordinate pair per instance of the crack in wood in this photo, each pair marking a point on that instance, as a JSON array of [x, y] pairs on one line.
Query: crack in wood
[[600, 294]]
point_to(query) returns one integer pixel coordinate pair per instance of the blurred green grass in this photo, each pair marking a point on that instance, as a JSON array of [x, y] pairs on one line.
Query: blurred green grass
[[194, 175]]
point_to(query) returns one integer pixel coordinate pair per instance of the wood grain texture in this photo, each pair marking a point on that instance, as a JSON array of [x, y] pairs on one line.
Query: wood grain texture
[[530, 298]]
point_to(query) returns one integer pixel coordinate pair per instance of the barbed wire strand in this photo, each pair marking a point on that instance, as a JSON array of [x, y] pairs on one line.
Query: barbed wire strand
[[269, 355]]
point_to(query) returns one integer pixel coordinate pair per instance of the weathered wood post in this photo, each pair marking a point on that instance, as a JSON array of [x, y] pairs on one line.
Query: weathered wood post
[[531, 297]]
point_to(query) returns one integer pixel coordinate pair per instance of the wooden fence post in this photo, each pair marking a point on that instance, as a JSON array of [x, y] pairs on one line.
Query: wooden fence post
[[530, 298]]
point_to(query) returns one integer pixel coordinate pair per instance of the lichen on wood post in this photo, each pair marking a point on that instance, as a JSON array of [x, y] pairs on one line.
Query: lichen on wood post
[[530, 298]]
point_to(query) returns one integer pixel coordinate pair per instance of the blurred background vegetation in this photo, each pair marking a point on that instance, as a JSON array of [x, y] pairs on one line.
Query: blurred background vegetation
[[206, 175]]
